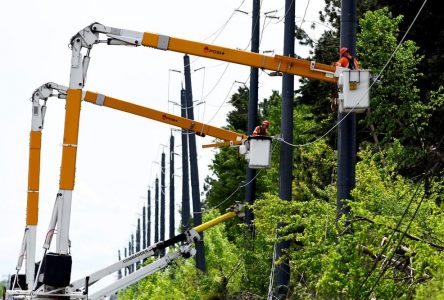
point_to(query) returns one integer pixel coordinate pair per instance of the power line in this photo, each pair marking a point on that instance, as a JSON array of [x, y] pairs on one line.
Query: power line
[[393, 233], [305, 13], [219, 31], [221, 28], [423, 179], [283, 18], [396, 229], [399, 243], [256, 24], [271, 278], [223, 102]]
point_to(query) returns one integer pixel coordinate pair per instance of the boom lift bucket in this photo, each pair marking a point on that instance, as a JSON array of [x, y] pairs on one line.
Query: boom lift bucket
[[259, 155], [353, 90]]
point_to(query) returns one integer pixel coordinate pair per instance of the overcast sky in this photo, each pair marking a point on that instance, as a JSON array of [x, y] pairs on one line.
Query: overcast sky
[[117, 153]]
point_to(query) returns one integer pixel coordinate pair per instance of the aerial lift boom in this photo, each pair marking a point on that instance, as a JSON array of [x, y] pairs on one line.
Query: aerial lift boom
[[199, 128], [39, 99], [43, 93], [90, 35]]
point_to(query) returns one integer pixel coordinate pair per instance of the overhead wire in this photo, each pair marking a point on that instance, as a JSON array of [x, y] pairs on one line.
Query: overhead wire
[[221, 28], [396, 229], [423, 179], [256, 24], [237, 189], [202, 94], [169, 83], [305, 13], [220, 106], [217, 82], [271, 277], [220, 78], [286, 13], [265, 25], [219, 31], [397, 245], [398, 224]]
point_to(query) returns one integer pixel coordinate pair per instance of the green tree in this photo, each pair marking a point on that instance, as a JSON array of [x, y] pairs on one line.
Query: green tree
[[237, 118], [329, 264], [2, 287], [398, 111]]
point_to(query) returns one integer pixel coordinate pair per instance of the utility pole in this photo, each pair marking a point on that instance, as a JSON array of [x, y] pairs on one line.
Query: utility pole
[[162, 201], [197, 212], [347, 128], [143, 228], [250, 189], [282, 271], [119, 273], [148, 212], [156, 211], [148, 231], [185, 172], [172, 210], [138, 242], [130, 267], [126, 255], [132, 251]]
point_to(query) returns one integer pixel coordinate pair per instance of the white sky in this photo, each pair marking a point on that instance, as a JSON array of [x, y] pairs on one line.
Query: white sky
[[116, 151]]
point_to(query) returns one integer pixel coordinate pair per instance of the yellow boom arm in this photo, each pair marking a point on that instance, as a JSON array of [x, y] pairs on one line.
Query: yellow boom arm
[[233, 138], [279, 63]]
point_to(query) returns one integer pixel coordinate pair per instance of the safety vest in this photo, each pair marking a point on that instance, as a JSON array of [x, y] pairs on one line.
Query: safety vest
[[350, 63], [259, 130]]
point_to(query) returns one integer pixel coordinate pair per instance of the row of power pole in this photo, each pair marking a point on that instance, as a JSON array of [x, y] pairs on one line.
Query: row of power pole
[[189, 169]]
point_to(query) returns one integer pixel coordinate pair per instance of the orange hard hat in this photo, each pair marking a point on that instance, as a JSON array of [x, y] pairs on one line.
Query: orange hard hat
[[266, 123], [343, 50]]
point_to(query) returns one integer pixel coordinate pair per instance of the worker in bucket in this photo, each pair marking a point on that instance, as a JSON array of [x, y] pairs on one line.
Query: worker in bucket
[[261, 129], [347, 60]]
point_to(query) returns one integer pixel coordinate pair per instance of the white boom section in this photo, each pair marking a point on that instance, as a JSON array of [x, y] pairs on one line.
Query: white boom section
[[28, 248], [185, 251], [189, 237]]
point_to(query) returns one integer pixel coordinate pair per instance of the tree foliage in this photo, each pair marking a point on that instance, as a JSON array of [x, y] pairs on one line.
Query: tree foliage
[[329, 263], [2, 287]]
